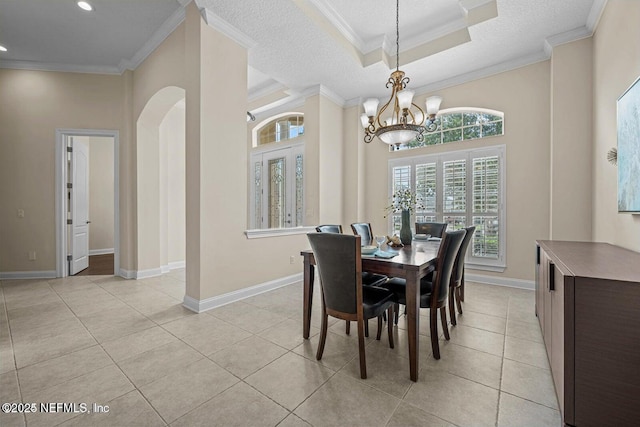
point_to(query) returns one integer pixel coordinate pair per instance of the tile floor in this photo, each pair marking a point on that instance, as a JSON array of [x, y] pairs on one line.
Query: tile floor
[[132, 346]]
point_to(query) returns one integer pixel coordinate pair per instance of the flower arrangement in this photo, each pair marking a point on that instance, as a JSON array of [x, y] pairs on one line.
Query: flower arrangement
[[404, 200]]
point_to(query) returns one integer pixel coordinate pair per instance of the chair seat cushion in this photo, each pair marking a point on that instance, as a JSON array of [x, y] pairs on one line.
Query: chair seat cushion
[[375, 301], [398, 286], [373, 279]]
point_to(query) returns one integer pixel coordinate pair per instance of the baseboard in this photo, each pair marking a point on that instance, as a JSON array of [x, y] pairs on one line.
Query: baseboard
[[165, 269], [101, 251], [177, 264], [501, 281], [207, 304], [43, 274], [140, 274]]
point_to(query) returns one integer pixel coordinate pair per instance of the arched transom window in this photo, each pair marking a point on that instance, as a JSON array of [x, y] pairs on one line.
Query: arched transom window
[[284, 127], [461, 124]]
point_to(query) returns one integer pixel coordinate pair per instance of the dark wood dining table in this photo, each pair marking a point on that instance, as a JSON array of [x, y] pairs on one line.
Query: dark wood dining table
[[412, 263]]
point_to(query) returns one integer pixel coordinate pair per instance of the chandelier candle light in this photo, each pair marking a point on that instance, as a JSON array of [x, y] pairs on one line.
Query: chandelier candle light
[[403, 124]]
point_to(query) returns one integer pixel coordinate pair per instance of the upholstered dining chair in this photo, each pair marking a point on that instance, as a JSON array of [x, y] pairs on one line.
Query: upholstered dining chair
[[434, 229], [457, 276], [433, 294], [368, 279], [339, 263], [363, 229], [329, 228]]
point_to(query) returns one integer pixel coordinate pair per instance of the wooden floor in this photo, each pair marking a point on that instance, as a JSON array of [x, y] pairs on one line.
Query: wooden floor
[[99, 265]]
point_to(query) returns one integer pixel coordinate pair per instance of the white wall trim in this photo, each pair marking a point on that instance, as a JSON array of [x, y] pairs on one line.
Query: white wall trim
[[210, 303], [276, 232], [219, 24], [61, 188], [42, 274], [165, 268], [174, 265], [501, 281], [101, 251], [127, 274], [152, 272]]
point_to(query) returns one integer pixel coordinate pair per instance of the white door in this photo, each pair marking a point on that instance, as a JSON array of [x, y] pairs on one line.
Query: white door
[[79, 207]]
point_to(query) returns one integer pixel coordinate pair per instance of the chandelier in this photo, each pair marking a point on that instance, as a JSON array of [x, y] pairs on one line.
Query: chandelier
[[404, 120]]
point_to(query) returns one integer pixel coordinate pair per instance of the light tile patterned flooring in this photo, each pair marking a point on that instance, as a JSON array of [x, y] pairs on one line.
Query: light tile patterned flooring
[[132, 346]]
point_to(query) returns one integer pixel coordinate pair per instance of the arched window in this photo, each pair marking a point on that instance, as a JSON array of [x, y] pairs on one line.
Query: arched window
[[280, 128], [461, 124]]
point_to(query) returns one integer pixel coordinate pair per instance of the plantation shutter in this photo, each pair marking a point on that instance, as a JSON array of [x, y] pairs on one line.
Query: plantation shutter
[[426, 191], [486, 204]]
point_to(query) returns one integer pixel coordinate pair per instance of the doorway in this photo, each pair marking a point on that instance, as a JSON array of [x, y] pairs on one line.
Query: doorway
[[87, 209]]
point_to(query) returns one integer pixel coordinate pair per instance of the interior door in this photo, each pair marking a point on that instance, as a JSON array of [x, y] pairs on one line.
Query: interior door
[[79, 207]]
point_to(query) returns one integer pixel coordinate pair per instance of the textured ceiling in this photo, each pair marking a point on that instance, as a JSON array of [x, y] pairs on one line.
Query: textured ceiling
[[347, 47]]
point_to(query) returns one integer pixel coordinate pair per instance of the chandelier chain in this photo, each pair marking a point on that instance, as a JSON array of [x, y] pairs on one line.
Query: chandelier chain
[[397, 35]]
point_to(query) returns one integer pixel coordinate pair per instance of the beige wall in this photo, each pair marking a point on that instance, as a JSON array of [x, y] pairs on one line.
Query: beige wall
[[100, 192], [571, 157], [616, 65], [172, 131], [33, 104], [523, 96]]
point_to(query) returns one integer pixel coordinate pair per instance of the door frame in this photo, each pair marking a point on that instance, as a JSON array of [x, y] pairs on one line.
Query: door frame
[[61, 191]]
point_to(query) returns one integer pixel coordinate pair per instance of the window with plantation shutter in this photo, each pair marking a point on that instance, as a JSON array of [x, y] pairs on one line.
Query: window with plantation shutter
[[460, 188]]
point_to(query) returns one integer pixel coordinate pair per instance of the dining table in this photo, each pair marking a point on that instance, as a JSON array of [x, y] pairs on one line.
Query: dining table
[[412, 263]]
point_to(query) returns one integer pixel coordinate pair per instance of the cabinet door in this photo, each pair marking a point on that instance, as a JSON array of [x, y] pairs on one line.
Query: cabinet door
[[556, 356], [546, 301], [540, 286]]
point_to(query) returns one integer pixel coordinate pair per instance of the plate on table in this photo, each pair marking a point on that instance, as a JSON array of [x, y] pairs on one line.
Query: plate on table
[[434, 239], [368, 250], [422, 236]]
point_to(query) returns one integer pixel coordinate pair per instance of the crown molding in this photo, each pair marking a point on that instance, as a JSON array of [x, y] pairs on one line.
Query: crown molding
[[339, 23], [266, 90], [156, 40], [566, 37], [597, 9], [219, 24], [51, 66], [324, 91]]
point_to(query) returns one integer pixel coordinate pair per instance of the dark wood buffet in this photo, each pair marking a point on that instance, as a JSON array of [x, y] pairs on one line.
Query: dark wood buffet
[[588, 306]]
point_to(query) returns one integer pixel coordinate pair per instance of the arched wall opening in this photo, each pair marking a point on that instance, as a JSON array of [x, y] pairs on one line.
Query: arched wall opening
[[161, 238]]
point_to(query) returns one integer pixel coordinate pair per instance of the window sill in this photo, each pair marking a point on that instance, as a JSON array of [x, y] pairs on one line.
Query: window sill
[[277, 232], [485, 267]]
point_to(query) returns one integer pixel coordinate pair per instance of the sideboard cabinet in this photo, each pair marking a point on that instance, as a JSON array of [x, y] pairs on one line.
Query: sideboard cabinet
[[588, 307]]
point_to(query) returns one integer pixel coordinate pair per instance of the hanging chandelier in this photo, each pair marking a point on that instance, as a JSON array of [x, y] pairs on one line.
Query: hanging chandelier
[[404, 120]]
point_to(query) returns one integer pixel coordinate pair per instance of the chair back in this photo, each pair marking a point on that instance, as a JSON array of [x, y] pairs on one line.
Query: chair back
[[363, 229], [329, 228], [449, 248], [339, 264], [458, 268], [435, 229]]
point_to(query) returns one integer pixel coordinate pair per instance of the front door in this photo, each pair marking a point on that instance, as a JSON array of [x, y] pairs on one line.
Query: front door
[[79, 207]]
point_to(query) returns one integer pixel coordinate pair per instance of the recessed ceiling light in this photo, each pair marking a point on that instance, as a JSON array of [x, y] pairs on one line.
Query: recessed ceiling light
[[85, 6], [2, 48]]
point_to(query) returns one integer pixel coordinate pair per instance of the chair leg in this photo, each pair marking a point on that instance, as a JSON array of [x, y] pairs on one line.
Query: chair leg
[[459, 299], [323, 334], [390, 326], [379, 328], [348, 327], [452, 310], [462, 288], [363, 361], [366, 328], [445, 327], [435, 347], [397, 312]]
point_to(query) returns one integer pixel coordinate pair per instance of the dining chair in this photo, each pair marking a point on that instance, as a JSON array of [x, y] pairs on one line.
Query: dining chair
[[363, 229], [329, 228], [434, 229], [339, 263], [368, 279], [457, 276], [433, 294]]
